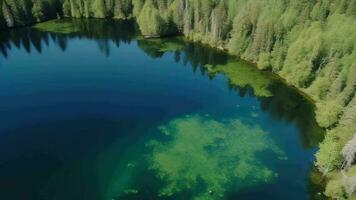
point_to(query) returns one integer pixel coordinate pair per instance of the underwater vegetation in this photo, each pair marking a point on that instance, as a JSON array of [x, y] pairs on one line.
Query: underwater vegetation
[[242, 75], [57, 26], [209, 156]]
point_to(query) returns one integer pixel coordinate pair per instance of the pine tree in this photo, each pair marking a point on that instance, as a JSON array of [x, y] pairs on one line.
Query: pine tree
[[66, 8], [38, 10], [150, 21], [99, 9], [176, 13], [137, 7], [122, 8], [187, 18], [10, 22]]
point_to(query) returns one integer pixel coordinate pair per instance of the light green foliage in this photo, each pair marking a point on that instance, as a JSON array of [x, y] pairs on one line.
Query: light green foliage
[[57, 26], [175, 12], [347, 124], [158, 46], [66, 8], [150, 21], [216, 154], [299, 66], [99, 9], [334, 189], [330, 159], [264, 62], [349, 182], [137, 7], [38, 10], [328, 113], [122, 9], [342, 185]]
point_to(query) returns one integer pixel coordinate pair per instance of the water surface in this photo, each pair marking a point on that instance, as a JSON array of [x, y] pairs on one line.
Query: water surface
[[91, 110]]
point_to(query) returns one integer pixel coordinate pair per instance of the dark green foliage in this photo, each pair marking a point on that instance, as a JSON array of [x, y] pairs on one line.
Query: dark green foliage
[[2, 20], [7, 16], [23, 12]]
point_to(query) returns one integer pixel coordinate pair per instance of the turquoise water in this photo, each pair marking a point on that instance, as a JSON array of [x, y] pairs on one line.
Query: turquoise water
[[100, 113]]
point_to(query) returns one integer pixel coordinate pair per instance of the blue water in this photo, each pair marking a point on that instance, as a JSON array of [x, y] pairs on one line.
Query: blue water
[[78, 111]]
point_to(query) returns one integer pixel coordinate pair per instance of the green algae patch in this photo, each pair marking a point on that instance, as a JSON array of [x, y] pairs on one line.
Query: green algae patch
[[57, 26], [156, 47], [242, 75], [209, 157]]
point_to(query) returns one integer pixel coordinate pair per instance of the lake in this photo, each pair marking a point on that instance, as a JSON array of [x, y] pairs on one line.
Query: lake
[[90, 110]]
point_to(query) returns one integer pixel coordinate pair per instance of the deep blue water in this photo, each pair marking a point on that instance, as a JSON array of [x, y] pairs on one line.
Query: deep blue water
[[78, 112]]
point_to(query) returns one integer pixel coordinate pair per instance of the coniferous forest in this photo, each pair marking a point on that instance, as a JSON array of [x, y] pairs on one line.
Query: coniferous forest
[[309, 43]]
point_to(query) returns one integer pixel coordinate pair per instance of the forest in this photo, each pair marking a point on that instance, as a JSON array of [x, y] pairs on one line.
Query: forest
[[309, 43]]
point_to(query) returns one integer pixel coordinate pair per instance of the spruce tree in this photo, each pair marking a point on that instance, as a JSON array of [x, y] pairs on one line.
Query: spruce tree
[[38, 10], [9, 19], [99, 9], [150, 21]]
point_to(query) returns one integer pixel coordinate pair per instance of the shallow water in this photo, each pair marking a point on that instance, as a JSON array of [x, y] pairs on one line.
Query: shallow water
[[91, 110]]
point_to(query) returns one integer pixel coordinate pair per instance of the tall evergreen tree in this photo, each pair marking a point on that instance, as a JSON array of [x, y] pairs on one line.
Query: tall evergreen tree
[[9, 19], [99, 9], [38, 10], [150, 21]]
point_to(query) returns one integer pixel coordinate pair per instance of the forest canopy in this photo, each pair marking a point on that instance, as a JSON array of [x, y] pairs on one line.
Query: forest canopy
[[310, 43]]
